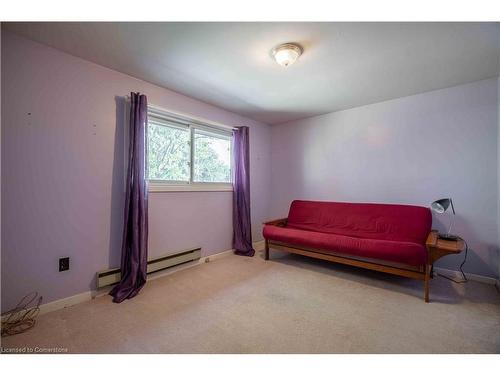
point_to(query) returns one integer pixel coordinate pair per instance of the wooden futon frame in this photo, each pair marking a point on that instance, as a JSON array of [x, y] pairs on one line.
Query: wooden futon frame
[[436, 249]]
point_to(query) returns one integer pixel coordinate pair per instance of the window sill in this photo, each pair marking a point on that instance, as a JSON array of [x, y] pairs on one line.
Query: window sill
[[155, 187]]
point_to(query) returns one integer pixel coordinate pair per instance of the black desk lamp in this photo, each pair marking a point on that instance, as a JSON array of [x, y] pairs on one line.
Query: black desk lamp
[[439, 207]]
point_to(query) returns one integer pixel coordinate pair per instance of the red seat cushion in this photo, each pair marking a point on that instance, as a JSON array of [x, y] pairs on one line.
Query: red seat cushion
[[394, 251], [389, 222]]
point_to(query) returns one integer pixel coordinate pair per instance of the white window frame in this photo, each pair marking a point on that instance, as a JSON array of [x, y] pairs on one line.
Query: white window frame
[[191, 123]]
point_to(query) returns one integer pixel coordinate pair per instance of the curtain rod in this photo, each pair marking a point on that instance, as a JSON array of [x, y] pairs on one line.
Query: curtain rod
[[200, 120]]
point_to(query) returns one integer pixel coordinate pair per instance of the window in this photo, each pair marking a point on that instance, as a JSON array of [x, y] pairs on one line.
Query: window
[[185, 154], [212, 157], [168, 152]]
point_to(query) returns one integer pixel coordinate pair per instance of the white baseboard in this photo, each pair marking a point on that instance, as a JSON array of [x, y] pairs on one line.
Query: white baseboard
[[91, 294], [470, 276], [104, 291], [62, 303], [259, 245], [65, 302], [180, 267]]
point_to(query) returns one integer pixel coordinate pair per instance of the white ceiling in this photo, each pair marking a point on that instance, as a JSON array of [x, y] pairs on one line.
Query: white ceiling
[[344, 65]]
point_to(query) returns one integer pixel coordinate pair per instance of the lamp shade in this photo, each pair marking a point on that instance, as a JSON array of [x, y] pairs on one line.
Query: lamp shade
[[441, 205]]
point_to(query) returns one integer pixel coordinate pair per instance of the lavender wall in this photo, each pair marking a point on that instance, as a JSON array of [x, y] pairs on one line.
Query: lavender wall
[[0, 142], [411, 150], [498, 175], [62, 173]]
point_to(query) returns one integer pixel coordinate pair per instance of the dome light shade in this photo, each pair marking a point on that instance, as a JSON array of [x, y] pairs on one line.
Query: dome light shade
[[286, 54]]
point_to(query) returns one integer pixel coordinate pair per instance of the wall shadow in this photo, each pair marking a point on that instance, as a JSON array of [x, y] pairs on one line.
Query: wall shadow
[[441, 290], [482, 255], [118, 184]]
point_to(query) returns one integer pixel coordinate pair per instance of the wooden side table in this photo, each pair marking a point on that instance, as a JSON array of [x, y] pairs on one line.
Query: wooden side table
[[438, 248]]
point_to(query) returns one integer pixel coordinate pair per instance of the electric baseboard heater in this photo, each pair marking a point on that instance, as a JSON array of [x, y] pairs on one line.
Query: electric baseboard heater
[[113, 275]]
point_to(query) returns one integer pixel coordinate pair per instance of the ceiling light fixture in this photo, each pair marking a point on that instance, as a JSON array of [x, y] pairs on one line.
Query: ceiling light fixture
[[286, 54]]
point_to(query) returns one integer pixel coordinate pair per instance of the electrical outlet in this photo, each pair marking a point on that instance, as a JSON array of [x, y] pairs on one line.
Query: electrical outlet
[[63, 264]]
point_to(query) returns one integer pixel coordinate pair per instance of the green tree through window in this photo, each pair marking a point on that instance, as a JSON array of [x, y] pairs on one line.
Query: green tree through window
[[169, 154], [212, 158]]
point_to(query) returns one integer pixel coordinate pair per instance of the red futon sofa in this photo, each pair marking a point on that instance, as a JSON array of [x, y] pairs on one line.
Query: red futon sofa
[[383, 237]]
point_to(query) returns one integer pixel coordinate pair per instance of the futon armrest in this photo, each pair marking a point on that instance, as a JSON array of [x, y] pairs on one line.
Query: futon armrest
[[277, 222], [432, 239]]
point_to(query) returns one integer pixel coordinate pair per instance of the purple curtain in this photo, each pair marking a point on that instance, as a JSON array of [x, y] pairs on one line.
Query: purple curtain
[[242, 228], [135, 229]]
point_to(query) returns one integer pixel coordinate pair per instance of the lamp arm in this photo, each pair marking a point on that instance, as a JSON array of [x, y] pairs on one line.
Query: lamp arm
[[451, 224], [452, 207], [452, 218]]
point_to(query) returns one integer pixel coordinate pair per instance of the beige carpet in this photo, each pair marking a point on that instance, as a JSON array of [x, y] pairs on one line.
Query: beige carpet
[[290, 304]]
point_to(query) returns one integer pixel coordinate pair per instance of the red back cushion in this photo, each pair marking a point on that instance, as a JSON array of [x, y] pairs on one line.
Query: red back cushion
[[390, 222]]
